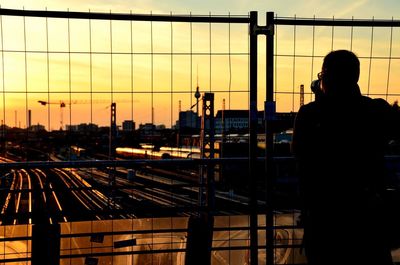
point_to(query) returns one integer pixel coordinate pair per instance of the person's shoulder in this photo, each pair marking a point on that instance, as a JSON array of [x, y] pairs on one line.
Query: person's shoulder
[[309, 107], [307, 112], [373, 100], [377, 103], [381, 102]]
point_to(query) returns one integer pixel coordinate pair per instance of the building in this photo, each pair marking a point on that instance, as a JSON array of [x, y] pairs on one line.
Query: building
[[71, 128], [234, 121], [37, 128], [147, 129], [83, 127], [160, 127], [237, 121], [128, 126], [88, 127], [188, 120]]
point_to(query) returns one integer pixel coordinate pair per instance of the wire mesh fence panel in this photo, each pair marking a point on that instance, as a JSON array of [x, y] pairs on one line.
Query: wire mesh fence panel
[[302, 43], [102, 118]]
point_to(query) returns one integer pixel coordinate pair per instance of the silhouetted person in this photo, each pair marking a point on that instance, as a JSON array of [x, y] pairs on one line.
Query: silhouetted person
[[339, 143]]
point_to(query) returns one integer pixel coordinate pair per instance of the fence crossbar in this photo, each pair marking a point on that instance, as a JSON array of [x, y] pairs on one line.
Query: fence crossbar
[[125, 16], [336, 22]]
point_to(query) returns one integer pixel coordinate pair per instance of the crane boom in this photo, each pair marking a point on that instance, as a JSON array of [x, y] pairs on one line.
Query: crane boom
[[62, 104], [44, 103]]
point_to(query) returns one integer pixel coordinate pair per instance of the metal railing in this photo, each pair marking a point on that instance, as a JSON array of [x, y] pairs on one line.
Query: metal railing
[[74, 61]]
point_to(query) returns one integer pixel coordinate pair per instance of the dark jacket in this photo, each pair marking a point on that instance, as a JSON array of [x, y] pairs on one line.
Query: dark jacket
[[339, 145]]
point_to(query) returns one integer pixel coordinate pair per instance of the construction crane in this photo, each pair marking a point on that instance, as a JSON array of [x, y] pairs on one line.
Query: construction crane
[[62, 105]]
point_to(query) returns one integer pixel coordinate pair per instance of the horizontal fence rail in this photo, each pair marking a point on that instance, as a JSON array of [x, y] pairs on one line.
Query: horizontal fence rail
[[126, 17], [336, 22]]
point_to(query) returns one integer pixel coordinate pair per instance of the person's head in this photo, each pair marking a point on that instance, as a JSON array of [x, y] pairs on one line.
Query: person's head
[[340, 73]]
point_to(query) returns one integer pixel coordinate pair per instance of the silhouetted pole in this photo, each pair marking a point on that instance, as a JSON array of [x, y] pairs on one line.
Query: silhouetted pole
[[46, 244], [301, 95], [113, 131], [45, 235], [253, 140], [270, 110], [111, 152], [200, 226]]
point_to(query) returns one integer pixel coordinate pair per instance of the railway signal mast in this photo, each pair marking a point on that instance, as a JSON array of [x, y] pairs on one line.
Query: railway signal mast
[[200, 227]]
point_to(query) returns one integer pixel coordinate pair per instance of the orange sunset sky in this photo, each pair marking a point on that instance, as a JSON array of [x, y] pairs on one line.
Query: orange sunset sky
[[151, 69]]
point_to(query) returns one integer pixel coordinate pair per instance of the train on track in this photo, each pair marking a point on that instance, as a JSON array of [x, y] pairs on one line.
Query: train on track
[[150, 152]]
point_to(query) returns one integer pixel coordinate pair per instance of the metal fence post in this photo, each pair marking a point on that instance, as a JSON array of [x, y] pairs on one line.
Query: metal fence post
[[199, 239], [269, 109], [253, 140], [45, 244]]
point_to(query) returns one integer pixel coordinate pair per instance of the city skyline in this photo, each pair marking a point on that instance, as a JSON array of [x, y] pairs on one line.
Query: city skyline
[[151, 69]]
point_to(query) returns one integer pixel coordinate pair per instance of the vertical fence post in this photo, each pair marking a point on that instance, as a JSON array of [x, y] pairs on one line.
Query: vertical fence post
[[199, 239], [45, 244], [269, 115], [253, 140]]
